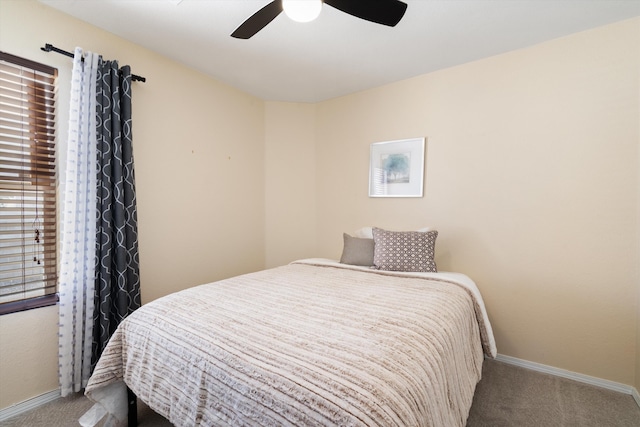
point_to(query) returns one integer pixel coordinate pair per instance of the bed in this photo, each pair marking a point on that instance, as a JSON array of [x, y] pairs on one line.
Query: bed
[[313, 343]]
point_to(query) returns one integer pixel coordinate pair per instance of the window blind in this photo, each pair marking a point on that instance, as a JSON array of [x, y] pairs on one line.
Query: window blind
[[28, 272]]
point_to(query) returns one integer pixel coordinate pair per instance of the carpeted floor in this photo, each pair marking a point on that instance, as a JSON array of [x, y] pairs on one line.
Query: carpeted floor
[[506, 396], [509, 395]]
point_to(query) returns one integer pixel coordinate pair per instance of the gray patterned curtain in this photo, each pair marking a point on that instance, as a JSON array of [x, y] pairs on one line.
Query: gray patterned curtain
[[117, 287]]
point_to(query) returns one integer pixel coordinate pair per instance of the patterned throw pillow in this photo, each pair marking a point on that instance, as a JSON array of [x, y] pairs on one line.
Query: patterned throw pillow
[[357, 251], [404, 250]]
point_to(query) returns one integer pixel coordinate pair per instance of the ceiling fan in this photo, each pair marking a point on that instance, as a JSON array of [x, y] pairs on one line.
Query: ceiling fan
[[385, 12]]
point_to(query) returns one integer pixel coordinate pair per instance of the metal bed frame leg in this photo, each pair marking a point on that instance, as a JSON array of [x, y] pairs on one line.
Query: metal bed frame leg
[[132, 404]]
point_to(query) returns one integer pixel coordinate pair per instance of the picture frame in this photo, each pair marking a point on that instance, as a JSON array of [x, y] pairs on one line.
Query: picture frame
[[396, 168]]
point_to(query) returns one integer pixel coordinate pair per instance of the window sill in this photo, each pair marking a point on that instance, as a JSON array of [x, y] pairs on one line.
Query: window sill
[[17, 306]]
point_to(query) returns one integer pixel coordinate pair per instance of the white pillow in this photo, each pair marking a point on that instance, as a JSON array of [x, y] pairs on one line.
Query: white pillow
[[364, 233], [367, 232]]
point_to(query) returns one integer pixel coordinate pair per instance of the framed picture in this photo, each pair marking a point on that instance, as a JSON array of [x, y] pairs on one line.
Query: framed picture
[[396, 168]]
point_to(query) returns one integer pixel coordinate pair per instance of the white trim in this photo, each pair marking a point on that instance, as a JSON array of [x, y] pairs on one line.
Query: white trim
[[636, 396], [29, 404], [598, 382]]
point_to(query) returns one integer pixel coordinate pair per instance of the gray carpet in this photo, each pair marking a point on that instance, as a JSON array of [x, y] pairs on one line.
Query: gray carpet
[[509, 395], [506, 396]]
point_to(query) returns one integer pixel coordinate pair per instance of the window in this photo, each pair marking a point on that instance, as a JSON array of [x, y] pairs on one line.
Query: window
[[27, 185]]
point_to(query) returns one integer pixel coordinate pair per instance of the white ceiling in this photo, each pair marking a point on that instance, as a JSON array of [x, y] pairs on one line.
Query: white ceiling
[[337, 54]]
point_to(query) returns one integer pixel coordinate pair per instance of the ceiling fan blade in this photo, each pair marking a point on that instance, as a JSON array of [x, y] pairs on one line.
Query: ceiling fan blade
[[386, 12], [258, 20]]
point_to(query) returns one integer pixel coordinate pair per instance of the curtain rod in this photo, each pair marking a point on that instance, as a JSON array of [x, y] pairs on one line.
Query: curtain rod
[[50, 48]]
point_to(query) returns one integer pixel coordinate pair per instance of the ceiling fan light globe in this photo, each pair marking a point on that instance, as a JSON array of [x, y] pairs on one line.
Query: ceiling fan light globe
[[302, 10]]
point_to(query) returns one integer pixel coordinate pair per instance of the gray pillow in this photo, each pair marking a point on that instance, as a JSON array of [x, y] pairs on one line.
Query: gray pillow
[[357, 251], [404, 250]]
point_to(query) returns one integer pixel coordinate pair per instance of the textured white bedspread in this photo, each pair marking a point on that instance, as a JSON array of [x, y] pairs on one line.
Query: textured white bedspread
[[313, 343]]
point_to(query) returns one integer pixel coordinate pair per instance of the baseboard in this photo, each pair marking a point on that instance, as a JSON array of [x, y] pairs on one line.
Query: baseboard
[[598, 382], [29, 404]]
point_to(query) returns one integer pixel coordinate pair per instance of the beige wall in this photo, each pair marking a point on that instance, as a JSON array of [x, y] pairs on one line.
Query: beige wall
[[199, 151], [290, 182], [531, 177], [637, 385], [28, 354], [532, 180]]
